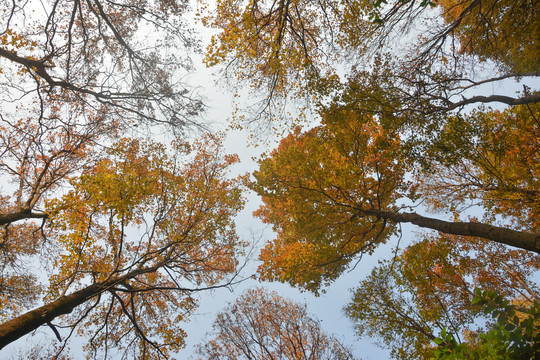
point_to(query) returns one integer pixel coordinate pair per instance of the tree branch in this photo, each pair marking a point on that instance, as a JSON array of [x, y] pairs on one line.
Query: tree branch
[[527, 99], [519, 239], [21, 215], [24, 324]]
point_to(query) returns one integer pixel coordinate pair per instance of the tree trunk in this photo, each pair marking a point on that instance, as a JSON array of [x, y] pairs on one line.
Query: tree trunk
[[519, 239], [28, 322], [20, 215]]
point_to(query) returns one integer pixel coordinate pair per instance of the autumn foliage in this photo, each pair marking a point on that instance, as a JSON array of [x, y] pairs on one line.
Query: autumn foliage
[[404, 130], [128, 229], [262, 325], [140, 231], [104, 232], [406, 302], [334, 192], [325, 176]]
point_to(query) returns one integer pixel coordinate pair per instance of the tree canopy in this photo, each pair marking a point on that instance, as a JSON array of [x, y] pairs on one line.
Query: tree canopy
[[123, 58], [106, 233], [441, 49], [139, 233], [338, 190], [429, 288], [263, 325], [401, 89]]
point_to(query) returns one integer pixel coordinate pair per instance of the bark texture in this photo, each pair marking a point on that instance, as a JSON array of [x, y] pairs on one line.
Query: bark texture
[[28, 322], [519, 239]]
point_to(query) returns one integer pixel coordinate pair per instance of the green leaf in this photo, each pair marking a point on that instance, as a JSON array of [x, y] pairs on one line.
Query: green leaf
[[476, 299]]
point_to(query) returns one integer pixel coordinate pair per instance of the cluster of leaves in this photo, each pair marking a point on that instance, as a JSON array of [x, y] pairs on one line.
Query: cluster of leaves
[[277, 46], [496, 30], [489, 158], [295, 49], [39, 153], [333, 193], [515, 334]]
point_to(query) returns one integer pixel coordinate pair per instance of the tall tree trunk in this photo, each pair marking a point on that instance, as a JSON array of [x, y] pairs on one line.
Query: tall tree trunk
[[519, 239], [20, 214], [28, 322]]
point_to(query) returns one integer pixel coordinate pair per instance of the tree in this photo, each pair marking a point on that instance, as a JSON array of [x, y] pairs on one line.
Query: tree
[[116, 56], [40, 152], [486, 158], [295, 49], [83, 71], [489, 30], [493, 30], [127, 229], [74, 75], [429, 288], [140, 231], [263, 325], [333, 193]]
